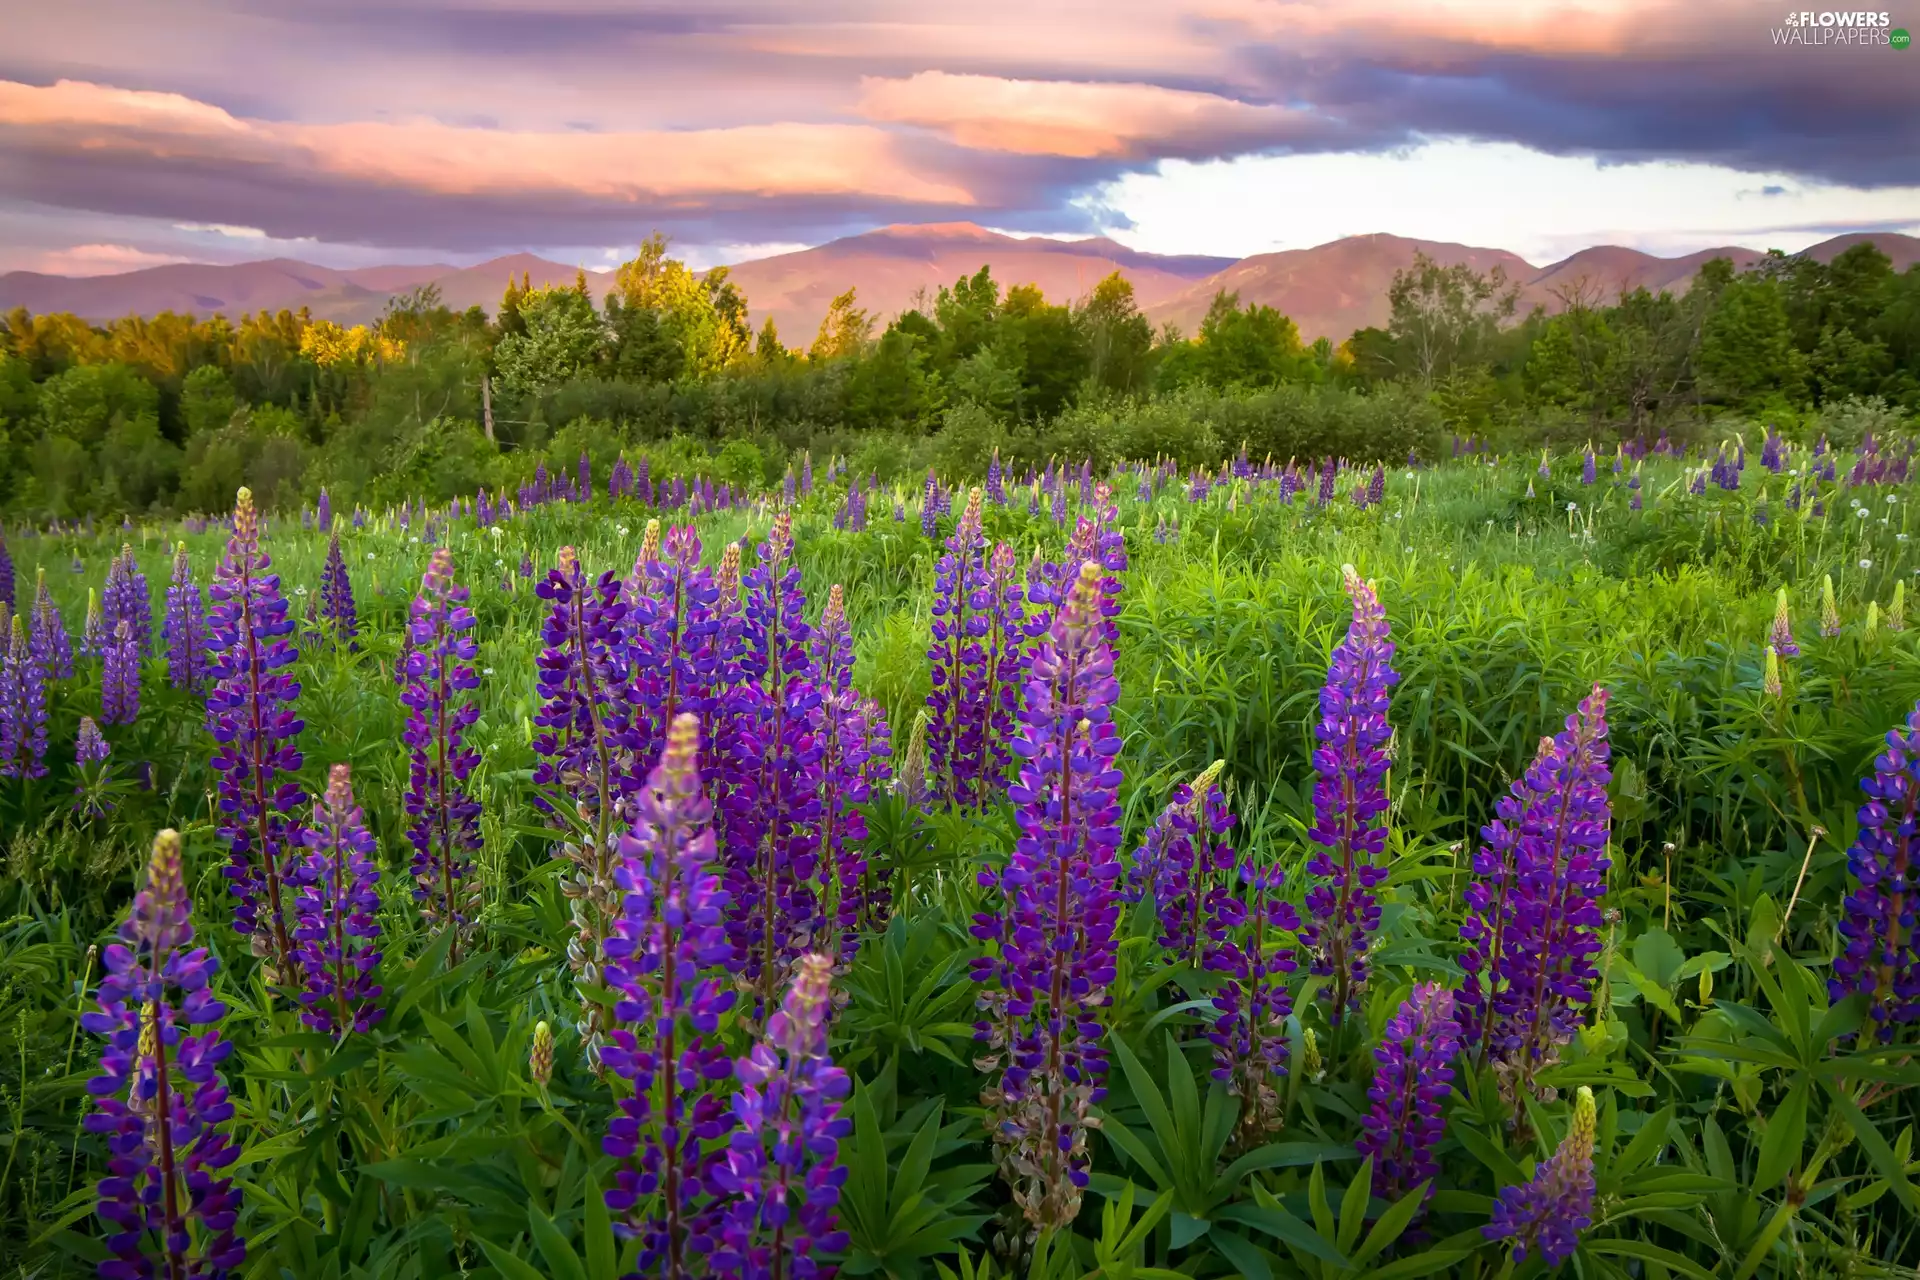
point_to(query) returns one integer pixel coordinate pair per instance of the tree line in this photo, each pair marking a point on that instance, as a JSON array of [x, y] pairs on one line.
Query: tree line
[[173, 412]]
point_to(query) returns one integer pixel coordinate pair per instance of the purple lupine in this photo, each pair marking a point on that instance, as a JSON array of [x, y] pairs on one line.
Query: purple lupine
[[956, 700], [1182, 869], [1413, 1072], [250, 714], [996, 484], [8, 600], [1773, 452], [94, 633], [23, 709], [436, 678], [930, 507], [669, 960], [783, 1165], [850, 734], [1533, 922], [1253, 1000], [1329, 476], [1350, 799], [90, 752], [1377, 487], [1547, 1214], [337, 610], [1053, 944], [324, 511], [1589, 468], [1878, 956], [159, 1100], [1004, 652], [339, 891], [583, 721], [120, 677], [583, 485], [772, 826], [126, 598], [185, 628], [670, 629]]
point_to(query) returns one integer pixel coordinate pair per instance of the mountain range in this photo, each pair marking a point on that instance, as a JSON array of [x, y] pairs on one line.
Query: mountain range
[[1330, 290]]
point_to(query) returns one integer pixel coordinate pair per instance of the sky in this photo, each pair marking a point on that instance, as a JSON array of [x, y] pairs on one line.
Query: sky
[[348, 133]]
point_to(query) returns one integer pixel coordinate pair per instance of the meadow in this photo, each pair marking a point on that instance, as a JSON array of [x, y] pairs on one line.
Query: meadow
[[1066, 876]]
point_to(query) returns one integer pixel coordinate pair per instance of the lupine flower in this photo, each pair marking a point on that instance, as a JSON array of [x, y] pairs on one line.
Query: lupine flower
[[250, 714], [1780, 637], [772, 827], [1412, 1074], [1546, 472], [669, 960], [9, 601], [1377, 487], [120, 677], [1181, 868], [1547, 1214], [93, 632], [1829, 610], [1054, 943], [996, 486], [1589, 471], [90, 752], [339, 894], [23, 710], [159, 1099], [185, 628], [1532, 930], [848, 739], [126, 599], [436, 677], [671, 630], [583, 720], [782, 1167], [336, 598], [1350, 799], [955, 734], [1878, 956], [324, 511]]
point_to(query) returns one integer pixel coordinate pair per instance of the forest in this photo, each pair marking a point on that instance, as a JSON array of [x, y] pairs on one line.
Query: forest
[[172, 413]]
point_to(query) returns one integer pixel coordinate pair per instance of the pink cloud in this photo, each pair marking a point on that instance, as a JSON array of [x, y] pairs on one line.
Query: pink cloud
[[1081, 120], [99, 260], [761, 160]]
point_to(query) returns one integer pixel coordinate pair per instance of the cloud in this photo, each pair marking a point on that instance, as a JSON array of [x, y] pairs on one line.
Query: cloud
[[1090, 121], [100, 260]]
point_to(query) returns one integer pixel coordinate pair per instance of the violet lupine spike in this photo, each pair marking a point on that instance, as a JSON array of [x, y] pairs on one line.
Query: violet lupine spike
[[1250, 1034], [23, 709], [773, 820], [1547, 1214], [1413, 1073], [120, 677], [1052, 948], [185, 628], [583, 720], [250, 714], [848, 738], [1878, 956], [671, 628], [337, 609], [52, 646], [783, 1168], [1004, 652], [159, 1100], [1350, 800], [339, 892], [93, 632], [956, 701], [670, 962], [8, 600], [1533, 923], [1182, 868], [126, 598], [437, 679], [90, 752]]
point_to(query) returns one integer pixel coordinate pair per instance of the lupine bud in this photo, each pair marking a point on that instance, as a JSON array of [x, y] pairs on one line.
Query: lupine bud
[[540, 1057], [1872, 623], [1897, 611], [1770, 682], [910, 781], [1547, 1214], [93, 633], [159, 1096], [1781, 636], [1829, 610]]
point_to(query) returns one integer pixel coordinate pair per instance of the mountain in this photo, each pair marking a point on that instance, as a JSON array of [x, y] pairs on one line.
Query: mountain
[[891, 267], [349, 297], [1330, 290]]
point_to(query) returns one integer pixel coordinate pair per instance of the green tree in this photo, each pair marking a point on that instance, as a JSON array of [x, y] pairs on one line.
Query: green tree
[[207, 400], [564, 338], [844, 331], [1747, 356], [1119, 339], [705, 315], [1444, 318], [889, 387]]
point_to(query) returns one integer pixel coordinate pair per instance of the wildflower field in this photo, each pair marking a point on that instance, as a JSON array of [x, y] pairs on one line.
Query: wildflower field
[[1482, 867]]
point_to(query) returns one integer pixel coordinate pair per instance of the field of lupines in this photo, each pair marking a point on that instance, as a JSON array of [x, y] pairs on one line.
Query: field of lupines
[[1470, 869]]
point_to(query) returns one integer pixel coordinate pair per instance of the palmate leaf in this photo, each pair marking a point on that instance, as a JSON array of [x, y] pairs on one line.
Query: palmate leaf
[[899, 1214]]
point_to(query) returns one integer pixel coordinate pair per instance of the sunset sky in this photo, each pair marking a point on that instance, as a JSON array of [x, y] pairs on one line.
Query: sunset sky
[[134, 132]]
